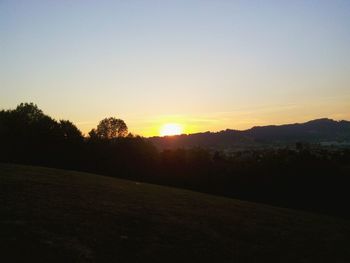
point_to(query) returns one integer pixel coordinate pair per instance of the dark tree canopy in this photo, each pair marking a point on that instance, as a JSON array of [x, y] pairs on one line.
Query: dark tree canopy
[[27, 123], [29, 111], [110, 128], [70, 131]]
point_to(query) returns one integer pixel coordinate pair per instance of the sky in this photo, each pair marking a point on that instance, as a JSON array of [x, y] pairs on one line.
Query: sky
[[207, 65]]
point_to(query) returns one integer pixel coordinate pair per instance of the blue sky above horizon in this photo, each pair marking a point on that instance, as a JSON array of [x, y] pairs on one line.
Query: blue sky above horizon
[[208, 65]]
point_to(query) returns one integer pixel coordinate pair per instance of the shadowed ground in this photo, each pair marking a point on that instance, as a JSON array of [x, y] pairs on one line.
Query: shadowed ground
[[51, 215]]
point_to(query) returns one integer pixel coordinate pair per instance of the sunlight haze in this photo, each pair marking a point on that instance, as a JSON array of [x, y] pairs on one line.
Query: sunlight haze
[[205, 65]]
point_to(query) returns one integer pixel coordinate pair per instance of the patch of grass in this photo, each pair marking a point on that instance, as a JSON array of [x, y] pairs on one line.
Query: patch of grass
[[51, 215]]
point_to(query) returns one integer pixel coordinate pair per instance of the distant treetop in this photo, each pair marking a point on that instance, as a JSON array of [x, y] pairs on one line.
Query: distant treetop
[[110, 128]]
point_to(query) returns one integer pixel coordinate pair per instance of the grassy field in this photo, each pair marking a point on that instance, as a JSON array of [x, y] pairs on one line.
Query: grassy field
[[50, 215]]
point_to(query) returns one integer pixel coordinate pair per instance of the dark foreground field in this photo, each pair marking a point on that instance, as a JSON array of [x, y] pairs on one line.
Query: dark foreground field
[[50, 215]]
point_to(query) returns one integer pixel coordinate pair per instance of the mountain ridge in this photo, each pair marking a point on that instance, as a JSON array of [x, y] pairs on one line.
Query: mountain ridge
[[313, 131]]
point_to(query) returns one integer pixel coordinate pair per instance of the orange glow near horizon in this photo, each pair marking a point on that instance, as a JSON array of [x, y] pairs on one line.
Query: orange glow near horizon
[[170, 129], [197, 65]]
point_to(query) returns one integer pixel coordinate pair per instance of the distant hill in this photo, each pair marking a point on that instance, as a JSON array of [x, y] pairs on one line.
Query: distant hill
[[50, 215], [315, 131]]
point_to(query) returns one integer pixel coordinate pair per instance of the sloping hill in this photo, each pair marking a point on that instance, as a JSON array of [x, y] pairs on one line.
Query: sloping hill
[[51, 215]]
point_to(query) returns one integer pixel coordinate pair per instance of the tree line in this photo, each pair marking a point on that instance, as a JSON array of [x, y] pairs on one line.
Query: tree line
[[310, 179]]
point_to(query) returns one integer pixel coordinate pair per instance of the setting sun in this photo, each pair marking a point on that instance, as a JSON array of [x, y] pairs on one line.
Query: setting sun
[[171, 129]]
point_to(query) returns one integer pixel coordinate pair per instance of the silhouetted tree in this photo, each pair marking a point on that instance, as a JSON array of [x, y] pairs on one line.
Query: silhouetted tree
[[69, 131], [29, 123], [29, 111], [93, 134], [110, 128]]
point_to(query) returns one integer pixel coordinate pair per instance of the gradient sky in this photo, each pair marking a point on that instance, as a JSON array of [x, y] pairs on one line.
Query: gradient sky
[[208, 64]]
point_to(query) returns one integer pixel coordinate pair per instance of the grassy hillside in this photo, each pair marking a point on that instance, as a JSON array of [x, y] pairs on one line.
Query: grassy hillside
[[53, 215]]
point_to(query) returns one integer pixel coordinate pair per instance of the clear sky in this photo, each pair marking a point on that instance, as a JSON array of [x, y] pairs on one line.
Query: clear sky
[[207, 64]]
